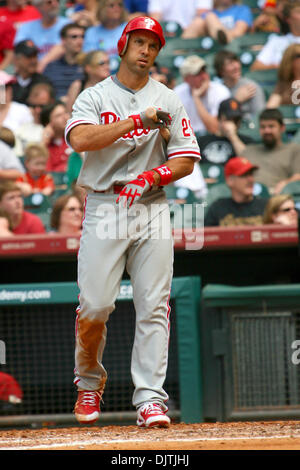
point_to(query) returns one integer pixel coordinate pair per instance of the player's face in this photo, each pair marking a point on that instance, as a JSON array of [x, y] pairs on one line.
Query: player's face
[[12, 203], [270, 131], [143, 48]]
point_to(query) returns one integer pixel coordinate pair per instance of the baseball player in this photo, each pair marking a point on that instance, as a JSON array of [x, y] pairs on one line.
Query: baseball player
[[137, 138]]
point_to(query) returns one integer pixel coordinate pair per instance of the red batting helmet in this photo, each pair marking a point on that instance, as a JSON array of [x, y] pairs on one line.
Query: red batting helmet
[[141, 22]]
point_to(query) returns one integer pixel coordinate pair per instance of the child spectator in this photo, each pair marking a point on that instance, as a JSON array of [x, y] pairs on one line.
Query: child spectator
[[36, 179]]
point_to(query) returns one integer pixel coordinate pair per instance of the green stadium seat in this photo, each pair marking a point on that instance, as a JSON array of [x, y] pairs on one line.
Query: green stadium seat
[[182, 203], [263, 77], [212, 173], [261, 190], [293, 189], [171, 29], [185, 47], [60, 178], [215, 192], [291, 117], [37, 203], [249, 42]]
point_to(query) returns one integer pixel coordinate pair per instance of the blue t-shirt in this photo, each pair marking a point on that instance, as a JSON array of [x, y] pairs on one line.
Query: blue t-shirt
[[136, 5], [235, 13], [43, 38], [98, 37]]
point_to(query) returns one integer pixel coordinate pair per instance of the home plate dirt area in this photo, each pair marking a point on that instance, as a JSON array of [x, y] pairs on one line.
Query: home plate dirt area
[[273, 435]]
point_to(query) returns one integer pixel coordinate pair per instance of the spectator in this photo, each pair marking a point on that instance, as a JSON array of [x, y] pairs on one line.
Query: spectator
[[5, 225], [280, 209], [12, 114], [136, 8], [7, 34], [43, 32], [62, 72], [251, 95], [271, 54], [83, 12], [242, 208], [279, 163], [96, 68], [200, 96], [111, 16], [18, 12], [271, 19], [26, 74], [66, 216], [179, 11], [227, 142], [36, 179], [288, 73], [54, 119], [23, 222], [40, 95], [226, 21], [10, 166]]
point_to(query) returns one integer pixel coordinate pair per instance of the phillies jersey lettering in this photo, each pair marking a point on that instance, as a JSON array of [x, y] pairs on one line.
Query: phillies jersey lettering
[[139, 150]]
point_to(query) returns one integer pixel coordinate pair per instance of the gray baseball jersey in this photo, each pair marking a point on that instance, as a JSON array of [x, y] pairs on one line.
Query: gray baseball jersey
[[147, 256], [137, 151]]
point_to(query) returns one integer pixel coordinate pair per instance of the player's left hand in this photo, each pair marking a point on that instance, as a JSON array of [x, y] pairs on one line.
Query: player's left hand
[[134, 190]]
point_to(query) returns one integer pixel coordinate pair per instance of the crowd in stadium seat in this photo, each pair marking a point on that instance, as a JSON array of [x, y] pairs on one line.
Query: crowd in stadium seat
[[229, 62]]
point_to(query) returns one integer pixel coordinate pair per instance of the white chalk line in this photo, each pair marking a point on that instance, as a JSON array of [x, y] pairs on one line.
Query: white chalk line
[[122, 441]]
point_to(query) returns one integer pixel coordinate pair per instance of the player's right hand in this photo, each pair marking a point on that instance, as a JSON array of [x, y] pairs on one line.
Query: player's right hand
[[152, 118]]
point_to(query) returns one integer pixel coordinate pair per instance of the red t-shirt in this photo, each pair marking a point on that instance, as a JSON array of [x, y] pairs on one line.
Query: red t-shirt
[[59, 153], [17, 17], [44, 181], [30, 223], [7, 35]]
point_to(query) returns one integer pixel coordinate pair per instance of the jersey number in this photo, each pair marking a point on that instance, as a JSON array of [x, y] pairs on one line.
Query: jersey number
[[187, 128]]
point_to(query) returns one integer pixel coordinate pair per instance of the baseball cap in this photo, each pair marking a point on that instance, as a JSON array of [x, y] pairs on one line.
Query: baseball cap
[[6, 78], [238, 166], [192, 65], [230, 108], [27, 48]]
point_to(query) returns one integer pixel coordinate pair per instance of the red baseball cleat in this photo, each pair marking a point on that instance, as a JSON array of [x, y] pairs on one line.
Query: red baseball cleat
[[87, 407], [153, 415]]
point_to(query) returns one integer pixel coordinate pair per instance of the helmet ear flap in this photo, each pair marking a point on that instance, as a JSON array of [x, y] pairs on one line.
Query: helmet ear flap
[[122, 44]]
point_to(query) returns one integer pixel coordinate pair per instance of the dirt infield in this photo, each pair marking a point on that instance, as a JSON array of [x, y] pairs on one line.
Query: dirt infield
[[275, 435]]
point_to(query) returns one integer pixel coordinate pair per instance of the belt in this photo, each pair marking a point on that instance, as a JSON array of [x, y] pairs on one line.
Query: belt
[[116, 189]]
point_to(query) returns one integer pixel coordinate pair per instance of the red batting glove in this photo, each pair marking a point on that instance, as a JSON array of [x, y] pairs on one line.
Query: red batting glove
[[134, 190]]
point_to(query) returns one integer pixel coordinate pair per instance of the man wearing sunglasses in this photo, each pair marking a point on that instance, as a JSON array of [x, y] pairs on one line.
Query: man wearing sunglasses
[[63, 71]]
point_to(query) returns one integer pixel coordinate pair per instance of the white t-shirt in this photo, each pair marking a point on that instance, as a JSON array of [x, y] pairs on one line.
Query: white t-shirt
[[272, 52], [181, 11], [18, 114], [215, 94], [195, 182], [8, 159]]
